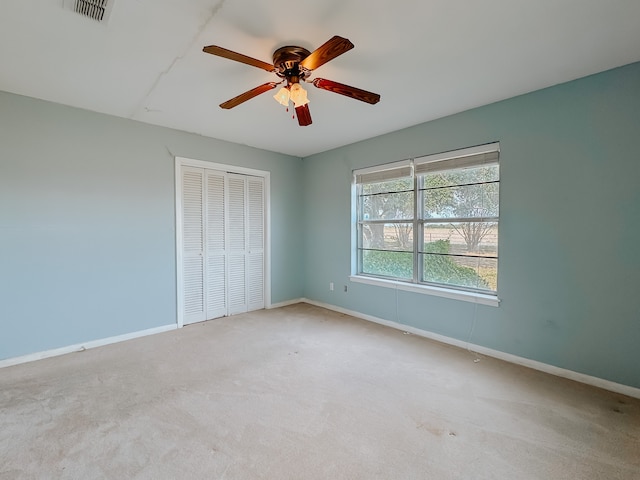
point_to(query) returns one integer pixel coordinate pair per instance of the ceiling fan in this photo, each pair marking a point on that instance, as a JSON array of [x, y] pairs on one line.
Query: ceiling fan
[[294, 65]]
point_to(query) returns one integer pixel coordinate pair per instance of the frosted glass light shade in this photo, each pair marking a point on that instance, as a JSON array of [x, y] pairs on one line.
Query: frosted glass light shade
[[282, 97], [298, 95]]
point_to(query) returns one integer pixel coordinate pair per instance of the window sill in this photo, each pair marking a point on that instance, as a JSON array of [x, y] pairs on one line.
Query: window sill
[[479, 298]]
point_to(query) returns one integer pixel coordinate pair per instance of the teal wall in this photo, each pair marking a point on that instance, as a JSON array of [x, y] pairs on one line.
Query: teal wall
[[87, 230], [87, 223], [569, 272]]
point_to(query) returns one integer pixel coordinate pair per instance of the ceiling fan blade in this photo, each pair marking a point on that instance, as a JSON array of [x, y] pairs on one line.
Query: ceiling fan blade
[[331, 49], [243, 97], [346, 90], [238, 57], [304, 115]]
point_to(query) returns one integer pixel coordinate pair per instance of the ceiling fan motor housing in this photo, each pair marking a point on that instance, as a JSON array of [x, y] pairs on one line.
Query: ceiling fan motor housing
[[286, 61]]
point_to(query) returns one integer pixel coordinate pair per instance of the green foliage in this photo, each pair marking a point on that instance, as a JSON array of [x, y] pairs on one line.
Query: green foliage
[[443, 269], [438, 246], [388, 263], [438, 268]]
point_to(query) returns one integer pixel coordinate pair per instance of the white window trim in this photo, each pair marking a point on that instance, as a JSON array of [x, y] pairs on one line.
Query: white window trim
[[463, 295], [438, 291]]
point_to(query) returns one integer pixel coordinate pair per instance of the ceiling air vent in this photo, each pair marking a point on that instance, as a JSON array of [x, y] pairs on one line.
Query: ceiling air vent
[[98, 10]]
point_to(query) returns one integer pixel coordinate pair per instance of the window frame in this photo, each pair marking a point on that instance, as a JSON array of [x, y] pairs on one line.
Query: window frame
[[415, 169]]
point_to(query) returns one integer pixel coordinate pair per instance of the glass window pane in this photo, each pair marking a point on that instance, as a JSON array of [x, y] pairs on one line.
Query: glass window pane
[[488, 271], [388, 263], [387, 206], [398, 185], [472, 272], [466, 201], [388, 236], [462, 238], [437, 237], [452, 252], [462, 176]]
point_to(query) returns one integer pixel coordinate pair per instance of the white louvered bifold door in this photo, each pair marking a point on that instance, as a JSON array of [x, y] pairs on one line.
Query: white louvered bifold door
[[223, 236], [236, 244], [215, 258], [255, 254], [192, 245]]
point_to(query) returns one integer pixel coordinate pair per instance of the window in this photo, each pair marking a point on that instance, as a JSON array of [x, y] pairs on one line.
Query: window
[[431, 220]]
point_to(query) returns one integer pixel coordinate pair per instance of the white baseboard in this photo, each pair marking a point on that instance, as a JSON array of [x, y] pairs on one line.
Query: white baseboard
[[78, 347], [8, 362], [507, 357], [286, 303]]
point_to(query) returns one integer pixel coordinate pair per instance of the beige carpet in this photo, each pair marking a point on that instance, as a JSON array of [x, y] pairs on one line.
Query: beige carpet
[[305, 393]]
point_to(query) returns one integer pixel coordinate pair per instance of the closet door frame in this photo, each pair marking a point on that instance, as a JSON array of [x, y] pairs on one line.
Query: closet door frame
[[190, 162]]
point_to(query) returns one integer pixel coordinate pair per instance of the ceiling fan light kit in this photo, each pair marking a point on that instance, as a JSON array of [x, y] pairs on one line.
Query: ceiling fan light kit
[[283, 96], [293, 65]]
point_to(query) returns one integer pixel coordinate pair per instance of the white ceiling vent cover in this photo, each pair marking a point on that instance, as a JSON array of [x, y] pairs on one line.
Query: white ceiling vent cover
[[98, 10]]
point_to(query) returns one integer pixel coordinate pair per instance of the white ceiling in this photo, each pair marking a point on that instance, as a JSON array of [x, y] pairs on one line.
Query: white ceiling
[[426, 58]]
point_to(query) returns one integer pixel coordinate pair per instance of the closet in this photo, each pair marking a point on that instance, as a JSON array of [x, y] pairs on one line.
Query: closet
[[221, 241]]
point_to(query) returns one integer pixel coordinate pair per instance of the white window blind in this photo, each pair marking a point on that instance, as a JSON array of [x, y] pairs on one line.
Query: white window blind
[[454, 163], [382, 173]]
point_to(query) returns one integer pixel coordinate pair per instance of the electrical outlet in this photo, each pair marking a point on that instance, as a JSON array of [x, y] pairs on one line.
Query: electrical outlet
[[331, 286]]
